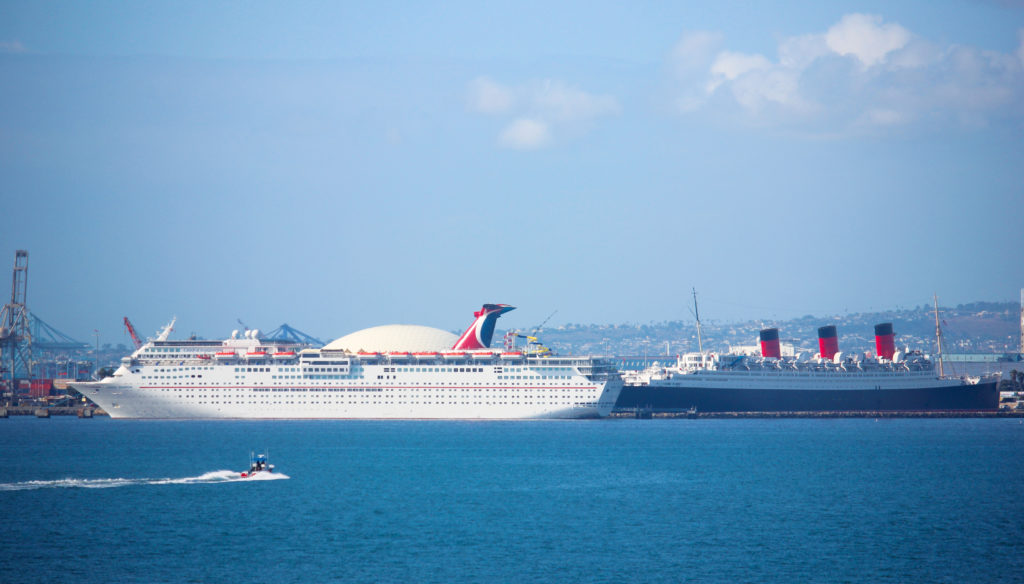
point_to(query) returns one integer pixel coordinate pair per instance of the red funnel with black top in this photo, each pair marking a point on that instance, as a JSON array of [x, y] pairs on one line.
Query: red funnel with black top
[[770, 343], [885, 340], [828, 341]]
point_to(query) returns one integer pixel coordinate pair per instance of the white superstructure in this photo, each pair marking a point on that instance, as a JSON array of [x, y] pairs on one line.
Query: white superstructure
[[253, 378], [706, 370]]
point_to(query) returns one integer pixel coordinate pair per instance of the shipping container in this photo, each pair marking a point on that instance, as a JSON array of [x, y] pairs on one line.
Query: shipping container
[[40, 387]]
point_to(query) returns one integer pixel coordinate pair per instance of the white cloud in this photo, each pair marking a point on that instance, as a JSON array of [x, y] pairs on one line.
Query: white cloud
[[525, 134], [865, 37], [755, 81], [12, 47], [915, 55], [488, 97], [977, 80], [539, 108], [883, 117], [558, 101], [800, 51], [861, 74], [730, 66], [689, 61], [774, 85], [1020, 47], [694, 51]]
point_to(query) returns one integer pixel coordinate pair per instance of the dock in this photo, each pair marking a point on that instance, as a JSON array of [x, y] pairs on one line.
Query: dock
[[79, 411], [649, 415]]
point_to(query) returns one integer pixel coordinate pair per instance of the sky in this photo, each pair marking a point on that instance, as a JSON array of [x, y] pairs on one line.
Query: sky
[[341, 165]]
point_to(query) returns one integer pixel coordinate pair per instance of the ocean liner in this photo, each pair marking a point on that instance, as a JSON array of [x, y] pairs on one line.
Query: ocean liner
[[830, 381], [392, 371]]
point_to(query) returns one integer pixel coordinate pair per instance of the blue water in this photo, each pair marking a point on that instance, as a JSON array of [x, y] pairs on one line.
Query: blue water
[[576, 501]]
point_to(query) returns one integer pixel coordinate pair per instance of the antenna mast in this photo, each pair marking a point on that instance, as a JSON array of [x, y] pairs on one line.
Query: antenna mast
[[696, 313], [938, 334]]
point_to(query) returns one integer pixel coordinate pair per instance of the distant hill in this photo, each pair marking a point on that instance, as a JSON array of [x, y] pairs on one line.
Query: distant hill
[[978, 327]]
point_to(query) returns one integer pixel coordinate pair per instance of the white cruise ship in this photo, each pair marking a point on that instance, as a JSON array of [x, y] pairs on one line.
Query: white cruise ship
[[393, 371]]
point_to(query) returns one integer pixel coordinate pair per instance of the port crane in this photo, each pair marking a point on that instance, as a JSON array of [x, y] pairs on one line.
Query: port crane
[[131, 333], [540, 326], [533, 344], [15, 331]]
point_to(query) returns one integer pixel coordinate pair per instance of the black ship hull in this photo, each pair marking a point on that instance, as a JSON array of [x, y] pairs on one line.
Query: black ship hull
[[981, 396]]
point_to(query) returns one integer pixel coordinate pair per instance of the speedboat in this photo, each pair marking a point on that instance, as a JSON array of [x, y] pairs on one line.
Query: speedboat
[[257, 464]]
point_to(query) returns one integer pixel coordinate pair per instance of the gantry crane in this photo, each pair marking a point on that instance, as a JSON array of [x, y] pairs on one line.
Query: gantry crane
[[15, 331]]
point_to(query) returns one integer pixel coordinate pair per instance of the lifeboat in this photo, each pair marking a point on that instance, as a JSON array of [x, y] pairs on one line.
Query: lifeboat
[[284, 355], [455, 355], [225, 355], [511, 355], [203, 356], [256, 354]]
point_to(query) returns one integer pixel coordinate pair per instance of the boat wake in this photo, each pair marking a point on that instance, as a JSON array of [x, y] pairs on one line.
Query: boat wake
[[217, 476]]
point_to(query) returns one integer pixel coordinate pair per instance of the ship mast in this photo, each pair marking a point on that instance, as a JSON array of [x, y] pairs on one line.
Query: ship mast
[[167, 330], [938, 335], [696, 313]]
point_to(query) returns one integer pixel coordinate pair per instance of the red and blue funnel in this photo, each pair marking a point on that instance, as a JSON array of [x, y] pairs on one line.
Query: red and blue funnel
[[885, 340], [828, 342], [478, 335], [770, 343]]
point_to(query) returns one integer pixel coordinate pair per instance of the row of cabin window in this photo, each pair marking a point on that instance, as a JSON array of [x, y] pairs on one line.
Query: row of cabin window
[[289, 369]]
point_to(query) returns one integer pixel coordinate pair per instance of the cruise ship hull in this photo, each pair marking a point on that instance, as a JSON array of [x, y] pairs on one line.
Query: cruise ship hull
[[126, 401], [663, 398]]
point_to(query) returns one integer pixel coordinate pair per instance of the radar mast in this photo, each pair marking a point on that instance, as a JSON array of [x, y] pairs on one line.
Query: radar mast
[[938, 334], [696, 314]]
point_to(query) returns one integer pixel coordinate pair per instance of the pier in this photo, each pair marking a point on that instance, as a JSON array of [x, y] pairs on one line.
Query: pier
[[649, 415], [81, 412]]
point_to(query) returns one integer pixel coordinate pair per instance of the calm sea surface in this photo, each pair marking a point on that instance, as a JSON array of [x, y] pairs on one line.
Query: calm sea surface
[[575, 501]]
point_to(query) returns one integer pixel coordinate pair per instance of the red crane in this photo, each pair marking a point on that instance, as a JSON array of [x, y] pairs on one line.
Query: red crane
[[131, 333]]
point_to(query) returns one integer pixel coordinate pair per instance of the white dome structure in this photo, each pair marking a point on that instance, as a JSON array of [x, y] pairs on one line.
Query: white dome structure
[[395, 337]]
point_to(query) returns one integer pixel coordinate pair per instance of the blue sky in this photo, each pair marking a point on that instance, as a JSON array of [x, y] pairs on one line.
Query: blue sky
[[343, 165]]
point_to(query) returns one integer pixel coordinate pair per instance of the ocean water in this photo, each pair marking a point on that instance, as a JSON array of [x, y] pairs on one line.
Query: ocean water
[[557, 501]]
